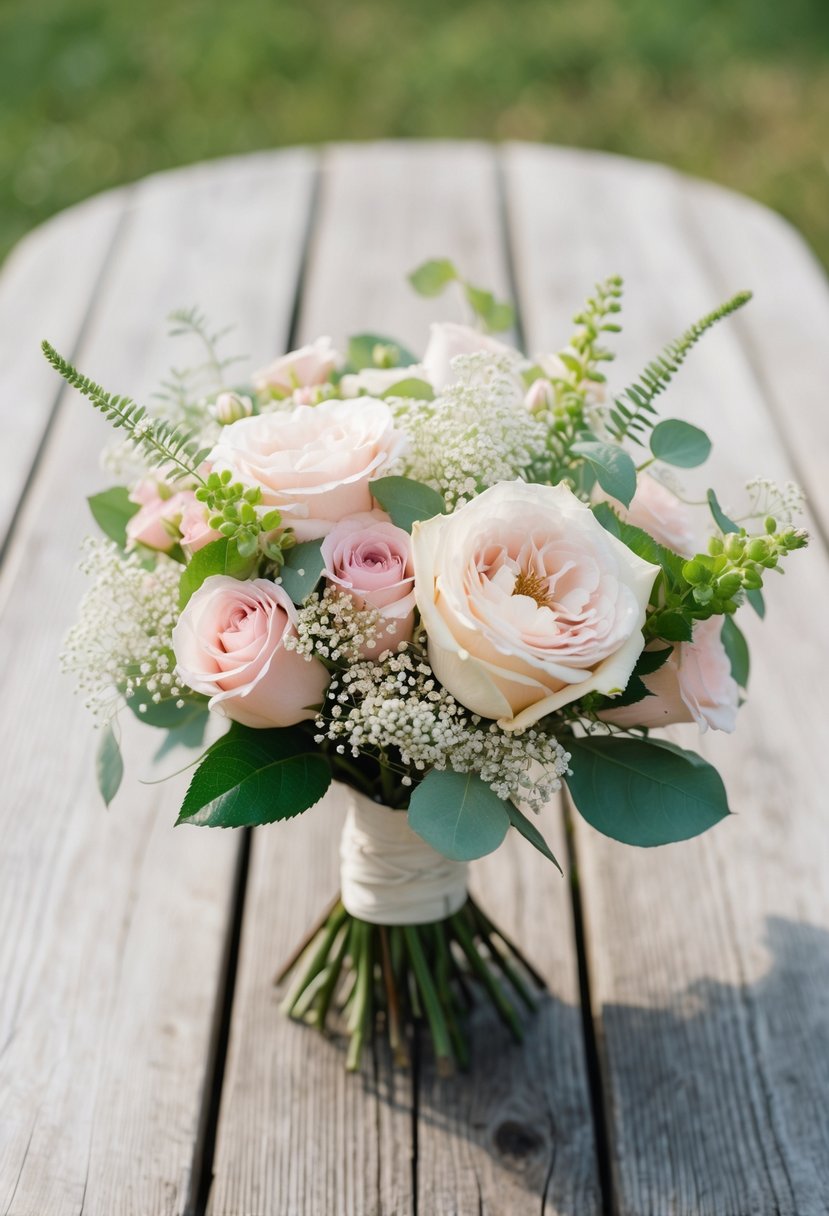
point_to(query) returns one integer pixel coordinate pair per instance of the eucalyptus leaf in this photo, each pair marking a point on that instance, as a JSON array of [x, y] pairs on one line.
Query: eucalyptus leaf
[[678, 443], [430, 278], [530, 832], [458, 814], [644, 792], [361, 348], [251, 777], [736, 647], [302, 569], [720, 518], [420, 390], [166, 714], [219, 557], [109, 764], [112, 510], [614, 469], [758, 603], [406, 500]]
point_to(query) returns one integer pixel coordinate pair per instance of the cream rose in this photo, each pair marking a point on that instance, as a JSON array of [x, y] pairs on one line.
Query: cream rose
[[448, 340], [528, 602], [303, 368], [313, 462], [695, 684], [370, 559], [229, 644]]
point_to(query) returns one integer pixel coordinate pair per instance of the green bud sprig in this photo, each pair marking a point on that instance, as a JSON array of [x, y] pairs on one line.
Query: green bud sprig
[[715, 583], [233, 513]]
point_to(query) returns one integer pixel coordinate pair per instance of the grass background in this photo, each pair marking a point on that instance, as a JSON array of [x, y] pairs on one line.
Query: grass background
[[97, 92]]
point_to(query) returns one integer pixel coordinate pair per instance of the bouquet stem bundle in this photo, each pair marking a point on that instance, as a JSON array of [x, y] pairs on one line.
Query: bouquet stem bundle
[[393, 976]]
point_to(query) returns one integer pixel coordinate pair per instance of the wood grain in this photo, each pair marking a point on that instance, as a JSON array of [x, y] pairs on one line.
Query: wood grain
[[708, 959], [296, 1134], [47, 287], [114, 924]]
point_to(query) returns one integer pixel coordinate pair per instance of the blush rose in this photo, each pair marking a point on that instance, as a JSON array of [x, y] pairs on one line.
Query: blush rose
[[229, 644], [370, 559]]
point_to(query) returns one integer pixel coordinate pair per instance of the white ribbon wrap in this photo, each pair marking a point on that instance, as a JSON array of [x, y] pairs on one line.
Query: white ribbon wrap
[[388, 875]]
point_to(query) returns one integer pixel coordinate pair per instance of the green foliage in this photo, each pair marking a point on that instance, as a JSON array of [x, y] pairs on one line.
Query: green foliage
[[219, 557], [736, 647], [173, 451], [232, 508], [678, 443], [302, 570], [755, 598], [373, 350], [166, 714], [251, 777], [458, 815], [613, 467], [112, 510], [109, 765], [586, 351], [633, 412], [407, 500], [636, 690], [420, 390], [642, 544], [432, 277], [720, 518], [530, 832], [644, 792]]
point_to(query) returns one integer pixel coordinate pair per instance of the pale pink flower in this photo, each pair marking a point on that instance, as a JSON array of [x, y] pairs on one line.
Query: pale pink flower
[[370, 559]]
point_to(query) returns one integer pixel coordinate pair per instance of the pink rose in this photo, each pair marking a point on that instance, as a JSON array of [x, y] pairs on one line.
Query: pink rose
[[310, 365], [229, 644], [448, 340], [194, 528], [539, 396], [156, 523], [371, 560], [694, 685], [313, 462], [658, 511]]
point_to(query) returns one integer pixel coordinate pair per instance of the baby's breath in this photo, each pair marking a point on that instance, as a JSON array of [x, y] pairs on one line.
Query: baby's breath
[[121, 642], [396, 703], [475, 434], [332, 627], [769, 498]]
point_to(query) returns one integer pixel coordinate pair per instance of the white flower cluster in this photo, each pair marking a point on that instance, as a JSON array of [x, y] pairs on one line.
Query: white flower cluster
[[331, 626], [122, 639], [769, 498], [475, 434], [397, 703]]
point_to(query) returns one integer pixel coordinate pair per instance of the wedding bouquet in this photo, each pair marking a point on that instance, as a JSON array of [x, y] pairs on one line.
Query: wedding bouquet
[[448, 585]]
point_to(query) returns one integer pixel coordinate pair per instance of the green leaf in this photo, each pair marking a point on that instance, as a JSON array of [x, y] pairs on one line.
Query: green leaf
[[650, 661], [165, 714], [457, 814], [500, 317], [361, 351], [496, 315], [680, 444], [219, 557], [672, 626], [614, 469], [189, 733], [758, 603], [407, 500], [421, 390], [112, 511], [530, 832], [720, 518], [644, 792], [736, 647], [640, 542], [430, 278], [250, 777], [302, 570], [109, 765]]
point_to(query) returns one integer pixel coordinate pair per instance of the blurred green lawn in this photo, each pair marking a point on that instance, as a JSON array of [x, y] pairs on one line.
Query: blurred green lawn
[[97, 92]]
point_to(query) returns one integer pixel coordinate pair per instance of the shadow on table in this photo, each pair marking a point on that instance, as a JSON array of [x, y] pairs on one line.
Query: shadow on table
[[723, 1094]]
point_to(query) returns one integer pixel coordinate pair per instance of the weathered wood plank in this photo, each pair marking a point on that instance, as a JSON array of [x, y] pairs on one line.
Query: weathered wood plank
[[296, 1134], [113, 924], [708, 959], [46, 285]]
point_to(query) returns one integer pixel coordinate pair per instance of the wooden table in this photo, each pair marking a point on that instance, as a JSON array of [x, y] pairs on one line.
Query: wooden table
[[680, 1063]]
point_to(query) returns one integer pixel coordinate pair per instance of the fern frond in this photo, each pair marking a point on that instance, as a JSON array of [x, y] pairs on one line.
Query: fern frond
[[633, 411], [163, 445]]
